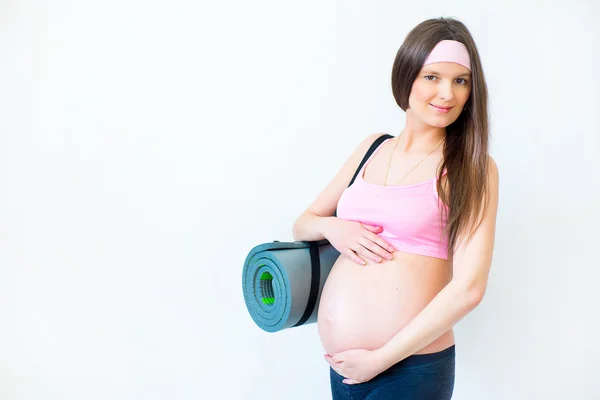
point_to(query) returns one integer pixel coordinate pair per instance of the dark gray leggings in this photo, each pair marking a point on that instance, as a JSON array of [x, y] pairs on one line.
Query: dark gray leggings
[[418, 377]]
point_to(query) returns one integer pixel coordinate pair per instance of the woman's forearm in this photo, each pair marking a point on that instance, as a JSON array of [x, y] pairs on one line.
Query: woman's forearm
[[310, 227]]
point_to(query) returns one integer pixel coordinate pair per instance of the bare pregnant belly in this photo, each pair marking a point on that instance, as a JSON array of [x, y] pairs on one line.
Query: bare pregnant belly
[[365, 306]]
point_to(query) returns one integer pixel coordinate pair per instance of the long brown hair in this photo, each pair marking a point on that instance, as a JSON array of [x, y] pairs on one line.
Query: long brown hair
[[466, 145]]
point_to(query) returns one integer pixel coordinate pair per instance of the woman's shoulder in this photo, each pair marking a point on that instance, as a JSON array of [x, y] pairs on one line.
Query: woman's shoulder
[[368, 141], [493, 174], [492, 166], [359, 150]]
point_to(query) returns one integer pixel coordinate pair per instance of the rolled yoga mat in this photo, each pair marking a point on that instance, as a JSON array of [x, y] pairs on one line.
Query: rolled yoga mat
[[282, 282]]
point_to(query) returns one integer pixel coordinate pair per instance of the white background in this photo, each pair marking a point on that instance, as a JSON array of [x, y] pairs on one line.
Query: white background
[[147, 146]]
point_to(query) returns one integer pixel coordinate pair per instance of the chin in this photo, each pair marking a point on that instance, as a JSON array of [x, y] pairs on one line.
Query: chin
[[439, 123]]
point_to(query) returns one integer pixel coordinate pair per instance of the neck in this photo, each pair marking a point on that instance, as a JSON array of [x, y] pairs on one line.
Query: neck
[[418, 137]]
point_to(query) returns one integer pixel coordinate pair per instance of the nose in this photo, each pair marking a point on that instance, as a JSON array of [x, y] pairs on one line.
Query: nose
[[445, 91]]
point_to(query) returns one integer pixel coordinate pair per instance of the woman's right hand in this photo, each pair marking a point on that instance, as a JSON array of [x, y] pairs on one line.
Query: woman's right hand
[[355, 239]]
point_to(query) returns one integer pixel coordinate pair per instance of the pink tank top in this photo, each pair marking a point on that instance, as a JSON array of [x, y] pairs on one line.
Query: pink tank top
[[409, 215]]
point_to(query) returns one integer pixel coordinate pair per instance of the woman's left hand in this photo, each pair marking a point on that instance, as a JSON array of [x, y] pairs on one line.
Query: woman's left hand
[[357, 365]]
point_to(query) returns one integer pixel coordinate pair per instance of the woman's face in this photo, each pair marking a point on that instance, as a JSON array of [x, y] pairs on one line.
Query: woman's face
[[444, 84]]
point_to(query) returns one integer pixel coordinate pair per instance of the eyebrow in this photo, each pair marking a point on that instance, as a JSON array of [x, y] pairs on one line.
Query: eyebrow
[[428, 71]]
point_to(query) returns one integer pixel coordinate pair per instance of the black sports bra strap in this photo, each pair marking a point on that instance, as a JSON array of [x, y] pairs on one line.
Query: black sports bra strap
[[374, 146]]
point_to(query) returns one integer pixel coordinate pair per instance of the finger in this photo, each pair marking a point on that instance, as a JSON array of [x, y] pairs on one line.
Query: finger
[[366, 252], [329, 360], [339, 371], [352, 255], [383, 247], [372, 228], [378, 245], [336, 358], [369, 249]]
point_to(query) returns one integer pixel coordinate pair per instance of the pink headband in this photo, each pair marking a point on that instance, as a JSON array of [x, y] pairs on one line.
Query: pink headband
[[449, 51]]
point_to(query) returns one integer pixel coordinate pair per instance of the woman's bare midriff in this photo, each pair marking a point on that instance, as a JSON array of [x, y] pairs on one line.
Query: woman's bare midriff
[[363, 307]]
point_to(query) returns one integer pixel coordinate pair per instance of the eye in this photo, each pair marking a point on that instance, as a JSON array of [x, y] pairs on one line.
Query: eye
[[464, 81], [430, 76]]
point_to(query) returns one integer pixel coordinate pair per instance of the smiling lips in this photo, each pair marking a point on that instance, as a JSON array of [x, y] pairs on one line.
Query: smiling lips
[[441, 109]]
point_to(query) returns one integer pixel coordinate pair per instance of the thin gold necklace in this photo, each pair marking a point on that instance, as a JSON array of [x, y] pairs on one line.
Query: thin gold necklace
[[392, 155]]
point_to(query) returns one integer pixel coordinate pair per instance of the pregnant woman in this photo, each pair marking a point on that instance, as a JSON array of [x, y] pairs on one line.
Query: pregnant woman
[[415, 229]]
